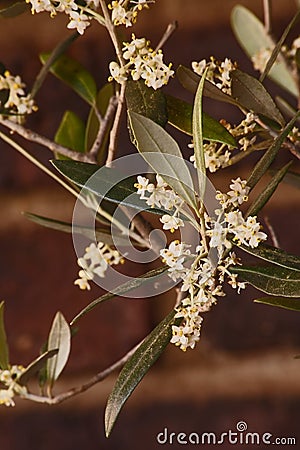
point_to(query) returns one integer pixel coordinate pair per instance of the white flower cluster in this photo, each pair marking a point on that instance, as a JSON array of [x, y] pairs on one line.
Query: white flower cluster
[[260, 58], [229, 221], [78, 20], [125, 13], [17, 101], [218, 72], [158, 195], [217, 155], [8, 378], [95, 261], [201, 279], [143, 62]]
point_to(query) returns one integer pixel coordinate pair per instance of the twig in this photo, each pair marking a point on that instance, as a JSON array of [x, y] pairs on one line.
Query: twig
[[272, 233], [32, 136], [37, 163], [104, 123], [115, 128], [111, 30], [167, 34], [84, 387], [267, 15]]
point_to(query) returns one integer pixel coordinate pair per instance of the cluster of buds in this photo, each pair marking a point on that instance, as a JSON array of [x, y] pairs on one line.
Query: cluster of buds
[[218, 72], [16, 103], [9, 379], [124, 12], [200, 277], [95, 262], [143, 63]]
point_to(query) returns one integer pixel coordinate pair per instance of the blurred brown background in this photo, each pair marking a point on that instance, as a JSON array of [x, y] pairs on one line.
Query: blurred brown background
[[244, 366]]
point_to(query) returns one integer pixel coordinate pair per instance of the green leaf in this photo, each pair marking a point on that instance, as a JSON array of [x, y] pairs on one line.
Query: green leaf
[[251, 94], [269, 190], [146, 101], [4, 356], [277, 49], [190, 81], [162, 153], [14, 10], [287, 303], [101, 234], [268, 157], [53, 56], [180, 114], [252, 36], [70, 133], [198, 136], [274, 255], [152, 276], [102, 102], [136, 368], [34, 367], [74, 75], [273, 280], [59, 338], [105, 183]]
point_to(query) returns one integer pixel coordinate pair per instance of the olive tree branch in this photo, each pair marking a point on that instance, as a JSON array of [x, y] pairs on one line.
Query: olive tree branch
[[116, 126], [100, 376], [267, 15], [32, 136], [104, 124]]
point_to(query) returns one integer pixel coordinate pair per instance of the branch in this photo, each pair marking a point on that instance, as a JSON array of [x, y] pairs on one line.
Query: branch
[[267, 15], [167, 34], [45, 142], [104, 124], [84, 387], [115, 128]]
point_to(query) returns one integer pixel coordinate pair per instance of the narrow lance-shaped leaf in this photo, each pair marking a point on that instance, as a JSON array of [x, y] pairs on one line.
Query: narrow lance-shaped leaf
[[269, 190], [134, 283], [250, 93], [70, 133], [53, 56], [253, 38], [146, 101], [180, 115], [136, 368], [268, 157], [277, 49], [74, 75], [273, 280], [4, 357], [105, 183], [286, 303], [274, 255], [101, 234], [34, 367], [59, 338], [198, 136], [162, 153], [190, 81]]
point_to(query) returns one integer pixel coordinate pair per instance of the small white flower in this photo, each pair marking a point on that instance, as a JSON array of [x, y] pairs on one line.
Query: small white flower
[[6, 397], [171, 223], [79, 21], [239, 192], [118, 73]]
